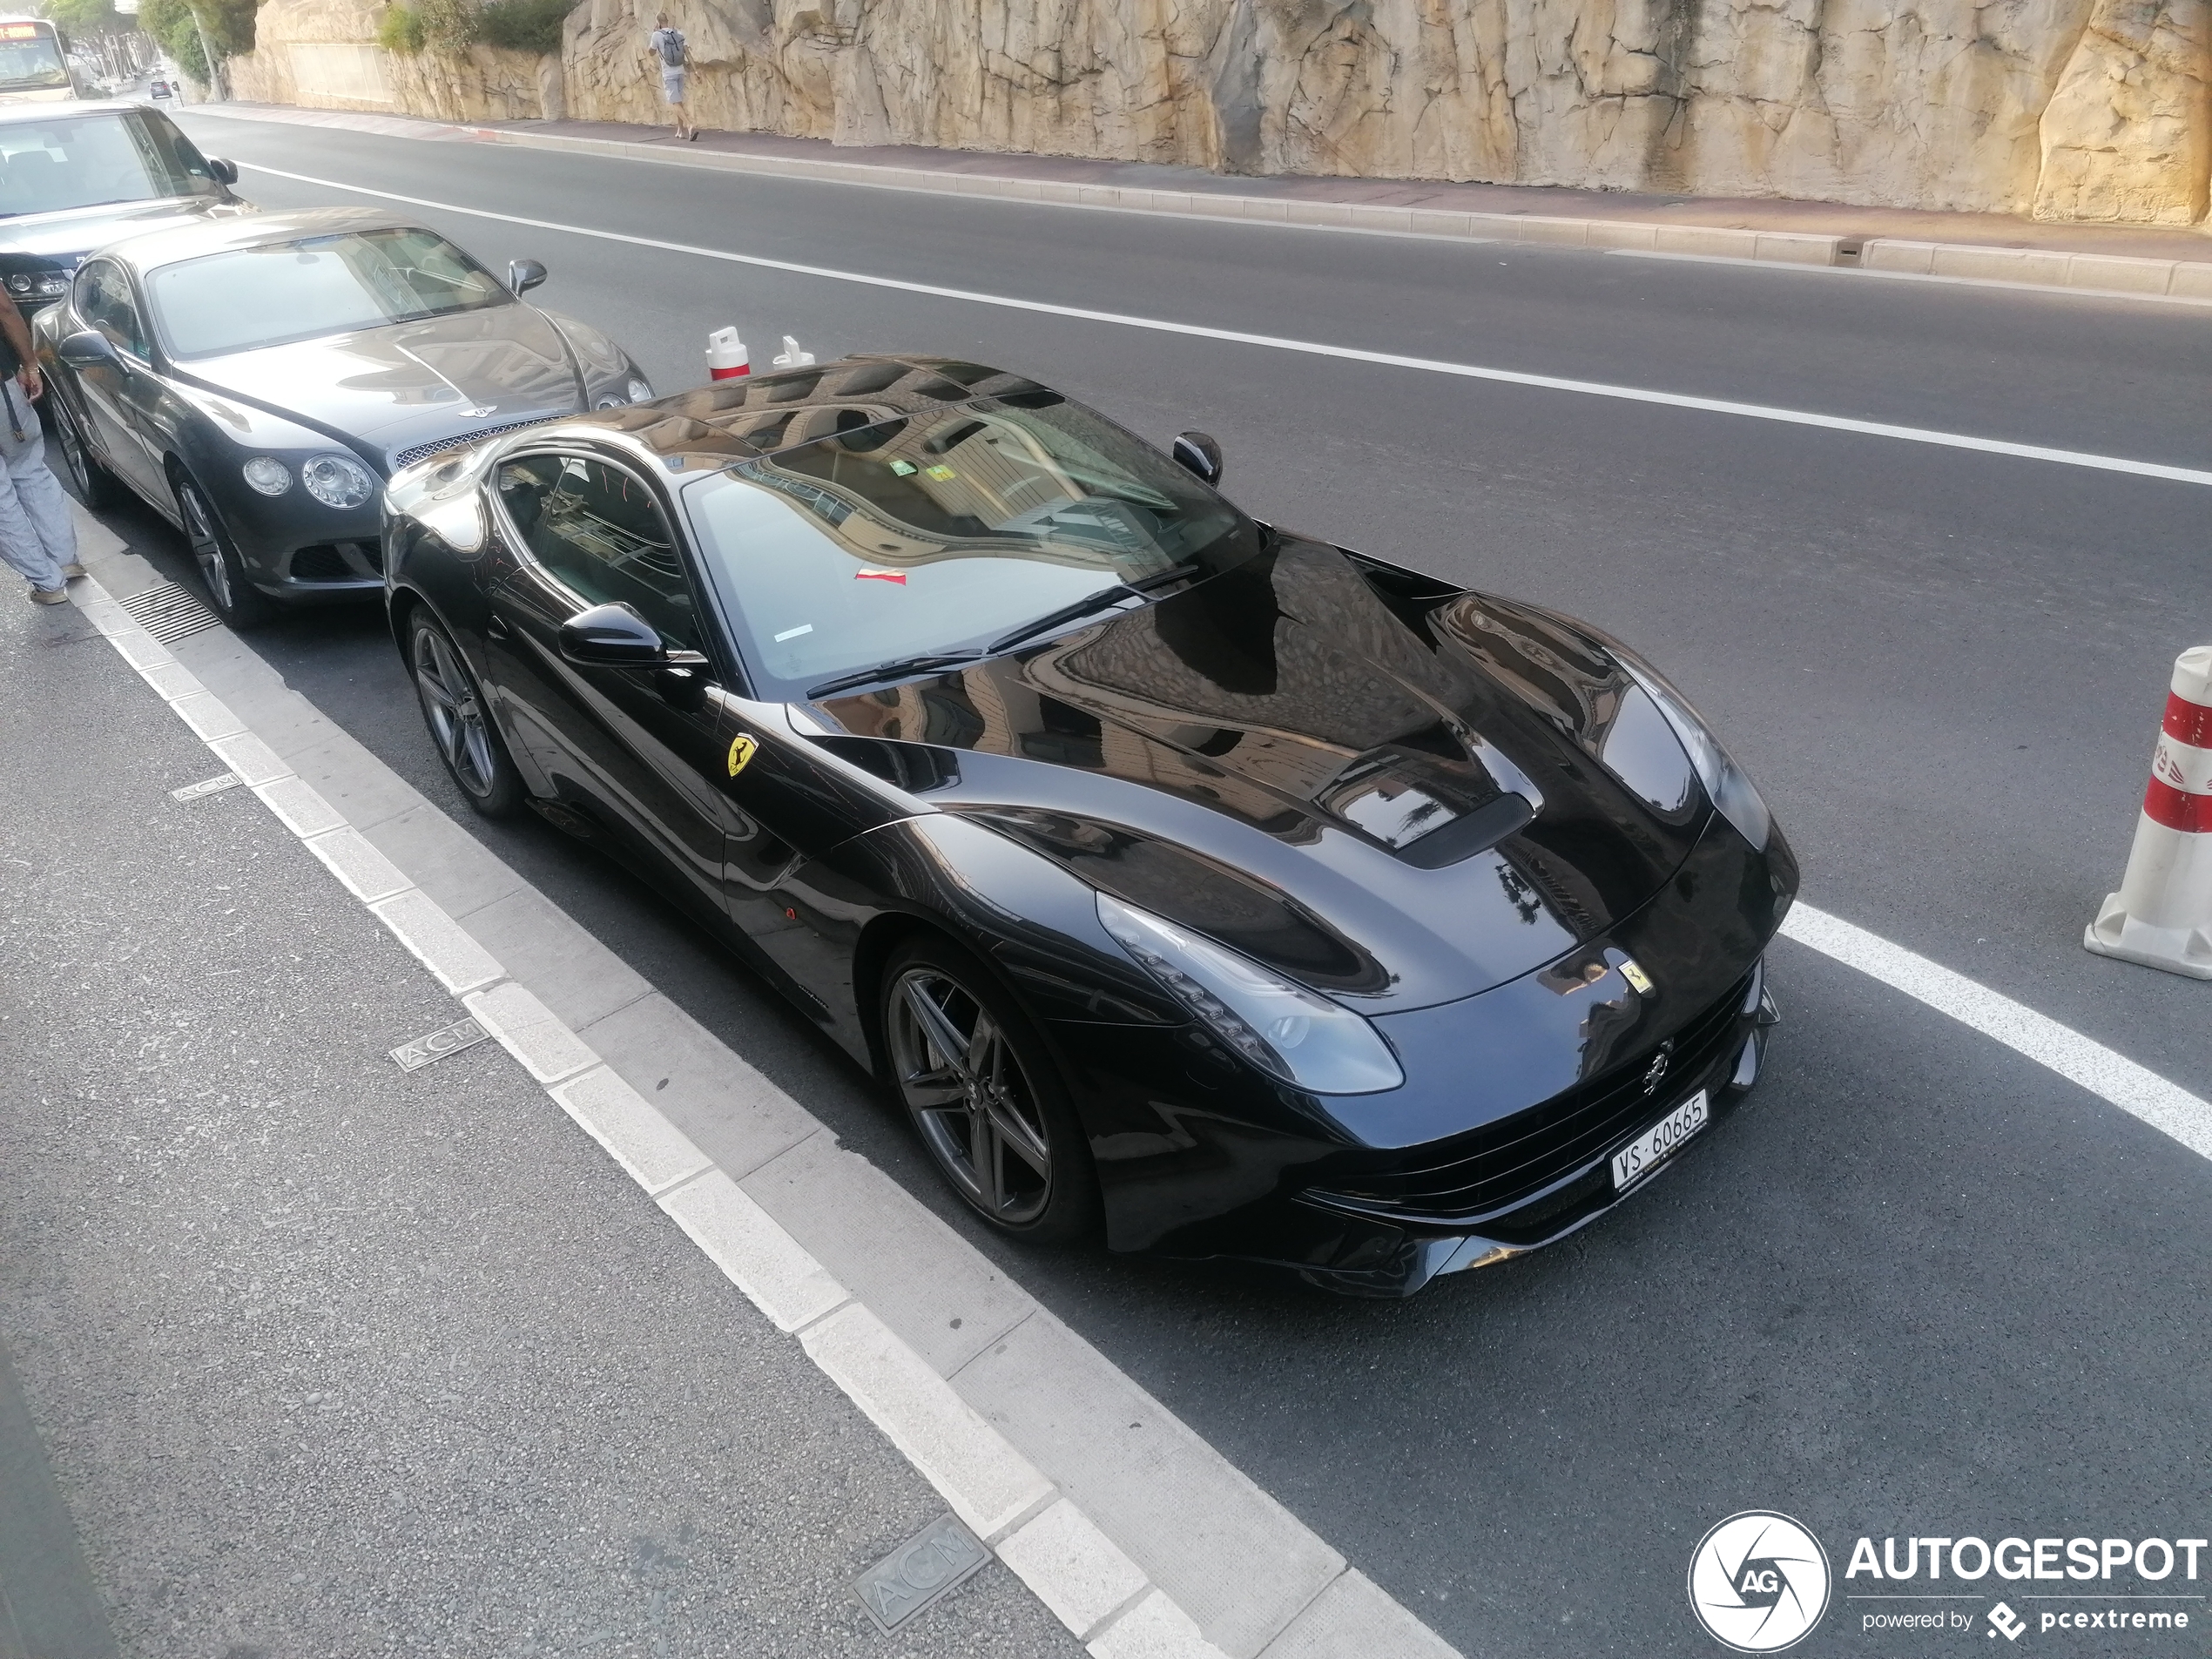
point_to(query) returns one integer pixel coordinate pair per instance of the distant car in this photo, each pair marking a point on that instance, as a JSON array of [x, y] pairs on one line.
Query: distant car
[[74, 177], [256, 381], [1253, 896], [158, 89]]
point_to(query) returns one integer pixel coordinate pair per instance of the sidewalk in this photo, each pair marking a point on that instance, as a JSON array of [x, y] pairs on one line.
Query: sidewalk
[[2136, 260], [332, 1358]]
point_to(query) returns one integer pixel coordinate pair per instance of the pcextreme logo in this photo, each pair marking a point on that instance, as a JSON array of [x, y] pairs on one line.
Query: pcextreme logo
[[1758, 1582]]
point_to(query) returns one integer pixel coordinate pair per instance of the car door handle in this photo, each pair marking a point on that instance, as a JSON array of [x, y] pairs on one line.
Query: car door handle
[[495, 631]]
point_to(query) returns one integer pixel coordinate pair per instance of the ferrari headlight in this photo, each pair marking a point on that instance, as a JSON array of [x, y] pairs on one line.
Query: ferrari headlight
[[640, 389], [267, 474], [1730, 791], [337, 480], [1285, 1029]]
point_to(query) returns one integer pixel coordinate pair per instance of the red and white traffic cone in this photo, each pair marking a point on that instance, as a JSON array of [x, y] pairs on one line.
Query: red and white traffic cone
[[2161, 916], [726, 356]]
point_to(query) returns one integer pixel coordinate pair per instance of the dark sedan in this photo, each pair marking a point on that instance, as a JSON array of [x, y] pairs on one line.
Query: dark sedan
[[256, 382], [74, 177], [1251, 895]]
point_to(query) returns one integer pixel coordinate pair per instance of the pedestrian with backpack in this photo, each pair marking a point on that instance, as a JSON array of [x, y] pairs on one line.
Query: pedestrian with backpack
[[37, 537], [664, 50]]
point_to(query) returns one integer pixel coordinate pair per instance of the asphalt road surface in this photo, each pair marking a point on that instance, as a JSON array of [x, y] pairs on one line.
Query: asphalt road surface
[[1923, 1287]]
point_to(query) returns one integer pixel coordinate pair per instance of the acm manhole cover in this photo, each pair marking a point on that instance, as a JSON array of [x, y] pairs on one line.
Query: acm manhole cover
[[941, 1556]]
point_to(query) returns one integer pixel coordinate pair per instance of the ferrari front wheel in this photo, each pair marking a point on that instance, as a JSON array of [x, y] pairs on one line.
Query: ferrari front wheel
[[984, 1096]]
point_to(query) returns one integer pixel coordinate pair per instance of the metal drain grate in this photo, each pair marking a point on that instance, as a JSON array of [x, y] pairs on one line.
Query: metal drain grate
[[169, 612]]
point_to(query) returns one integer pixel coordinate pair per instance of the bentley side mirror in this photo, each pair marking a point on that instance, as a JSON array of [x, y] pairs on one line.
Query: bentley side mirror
[[222, 172], [86, 348], [1196, 453], [617, 637], [522, 275]]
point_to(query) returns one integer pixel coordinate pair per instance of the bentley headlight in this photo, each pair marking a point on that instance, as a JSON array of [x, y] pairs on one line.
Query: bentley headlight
[[338, 480], [1285, 1029], [1730, 791], [267, 474]]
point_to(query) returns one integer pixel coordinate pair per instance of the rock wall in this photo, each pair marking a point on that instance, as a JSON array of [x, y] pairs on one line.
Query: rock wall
[[2067, 109]]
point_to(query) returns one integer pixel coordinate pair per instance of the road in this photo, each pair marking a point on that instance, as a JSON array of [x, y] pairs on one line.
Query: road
[[1924, 1286]]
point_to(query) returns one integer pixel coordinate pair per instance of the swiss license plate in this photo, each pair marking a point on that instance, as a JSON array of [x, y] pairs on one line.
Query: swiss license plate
[[1643, 1154]]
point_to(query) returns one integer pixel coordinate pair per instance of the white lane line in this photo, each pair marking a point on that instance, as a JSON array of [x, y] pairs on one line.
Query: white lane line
[[1856, 272], [1313, 348], [2111, 1076]]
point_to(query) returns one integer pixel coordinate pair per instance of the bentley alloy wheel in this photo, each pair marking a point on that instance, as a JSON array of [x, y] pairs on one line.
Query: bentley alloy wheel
[[239, 603]]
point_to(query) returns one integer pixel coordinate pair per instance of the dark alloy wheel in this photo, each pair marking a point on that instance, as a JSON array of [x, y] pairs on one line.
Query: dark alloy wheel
[[974, 1078], [235, 599], [96, 486], [453, 709]]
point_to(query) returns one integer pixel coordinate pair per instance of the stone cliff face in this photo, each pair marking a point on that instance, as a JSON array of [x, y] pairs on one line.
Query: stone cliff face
[[2067, 109]]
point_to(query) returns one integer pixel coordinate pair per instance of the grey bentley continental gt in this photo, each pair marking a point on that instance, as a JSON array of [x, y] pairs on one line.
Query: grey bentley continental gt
[[257, 380]]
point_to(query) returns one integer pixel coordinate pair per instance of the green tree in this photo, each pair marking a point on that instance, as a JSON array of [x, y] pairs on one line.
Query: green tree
[[80, 18], [525, 26], [169, 22]]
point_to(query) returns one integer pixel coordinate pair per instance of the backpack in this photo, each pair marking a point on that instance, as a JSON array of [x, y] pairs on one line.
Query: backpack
[[669, 43]]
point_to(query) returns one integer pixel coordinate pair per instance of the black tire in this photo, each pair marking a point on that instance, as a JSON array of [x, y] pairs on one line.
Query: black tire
[[996, 1119], [461, 727], [96, 486], [221, 571]]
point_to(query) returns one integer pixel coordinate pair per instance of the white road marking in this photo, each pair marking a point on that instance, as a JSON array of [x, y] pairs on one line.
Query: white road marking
[[2135, 1090], [1313, 349]]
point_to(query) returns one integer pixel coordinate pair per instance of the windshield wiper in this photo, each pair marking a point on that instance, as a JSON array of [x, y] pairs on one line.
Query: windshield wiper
[[1096, 600], [891, 670]]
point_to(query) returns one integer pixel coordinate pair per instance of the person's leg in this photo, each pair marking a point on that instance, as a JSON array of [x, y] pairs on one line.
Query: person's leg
[[43, 501], [20, 545]]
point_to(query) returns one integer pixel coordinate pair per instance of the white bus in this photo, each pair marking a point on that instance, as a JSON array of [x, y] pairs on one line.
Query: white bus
[[34, 63]]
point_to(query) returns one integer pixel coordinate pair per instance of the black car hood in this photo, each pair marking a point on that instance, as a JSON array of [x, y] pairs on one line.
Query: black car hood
[[1403, 800], [64, 237], [411, 383]]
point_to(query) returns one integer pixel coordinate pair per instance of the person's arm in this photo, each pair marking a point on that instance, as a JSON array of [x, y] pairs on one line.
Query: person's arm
[[18, 333]]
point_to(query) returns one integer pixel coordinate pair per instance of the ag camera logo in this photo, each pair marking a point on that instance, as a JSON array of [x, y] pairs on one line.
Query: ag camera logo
[[1758, 1582]]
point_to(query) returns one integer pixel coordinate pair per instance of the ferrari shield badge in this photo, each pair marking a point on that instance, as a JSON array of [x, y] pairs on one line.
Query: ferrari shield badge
[[741, 750]]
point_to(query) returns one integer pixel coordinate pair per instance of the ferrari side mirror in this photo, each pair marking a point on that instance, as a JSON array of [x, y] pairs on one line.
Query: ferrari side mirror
[[617, 637], [1196, 453], [86, 348], [522, 275], [612, 637]]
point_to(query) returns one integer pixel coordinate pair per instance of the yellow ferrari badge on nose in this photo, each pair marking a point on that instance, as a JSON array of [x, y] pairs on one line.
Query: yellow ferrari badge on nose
[[1633, 972], [741, 750]]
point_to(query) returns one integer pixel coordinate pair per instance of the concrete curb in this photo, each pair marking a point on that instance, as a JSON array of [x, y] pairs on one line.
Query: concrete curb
[[2108, 275]]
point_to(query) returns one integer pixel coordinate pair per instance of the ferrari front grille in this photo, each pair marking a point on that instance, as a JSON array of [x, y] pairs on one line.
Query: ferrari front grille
[[1501, 1162]]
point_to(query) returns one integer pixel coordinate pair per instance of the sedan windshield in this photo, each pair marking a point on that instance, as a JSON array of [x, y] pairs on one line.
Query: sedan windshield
[[319, 286], [92, 160], [892, 540]]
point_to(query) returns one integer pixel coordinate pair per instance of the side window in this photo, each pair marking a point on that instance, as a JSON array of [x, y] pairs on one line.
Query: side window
[[596, 529], [103, 299]]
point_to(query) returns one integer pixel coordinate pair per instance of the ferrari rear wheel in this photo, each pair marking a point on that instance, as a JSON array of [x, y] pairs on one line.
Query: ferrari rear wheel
[[453, 707], [235, 599], [984, 1096]]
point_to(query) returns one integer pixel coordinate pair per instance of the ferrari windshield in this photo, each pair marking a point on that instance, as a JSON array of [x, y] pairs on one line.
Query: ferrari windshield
[[333, 284], [886, 540], [93, 159]]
